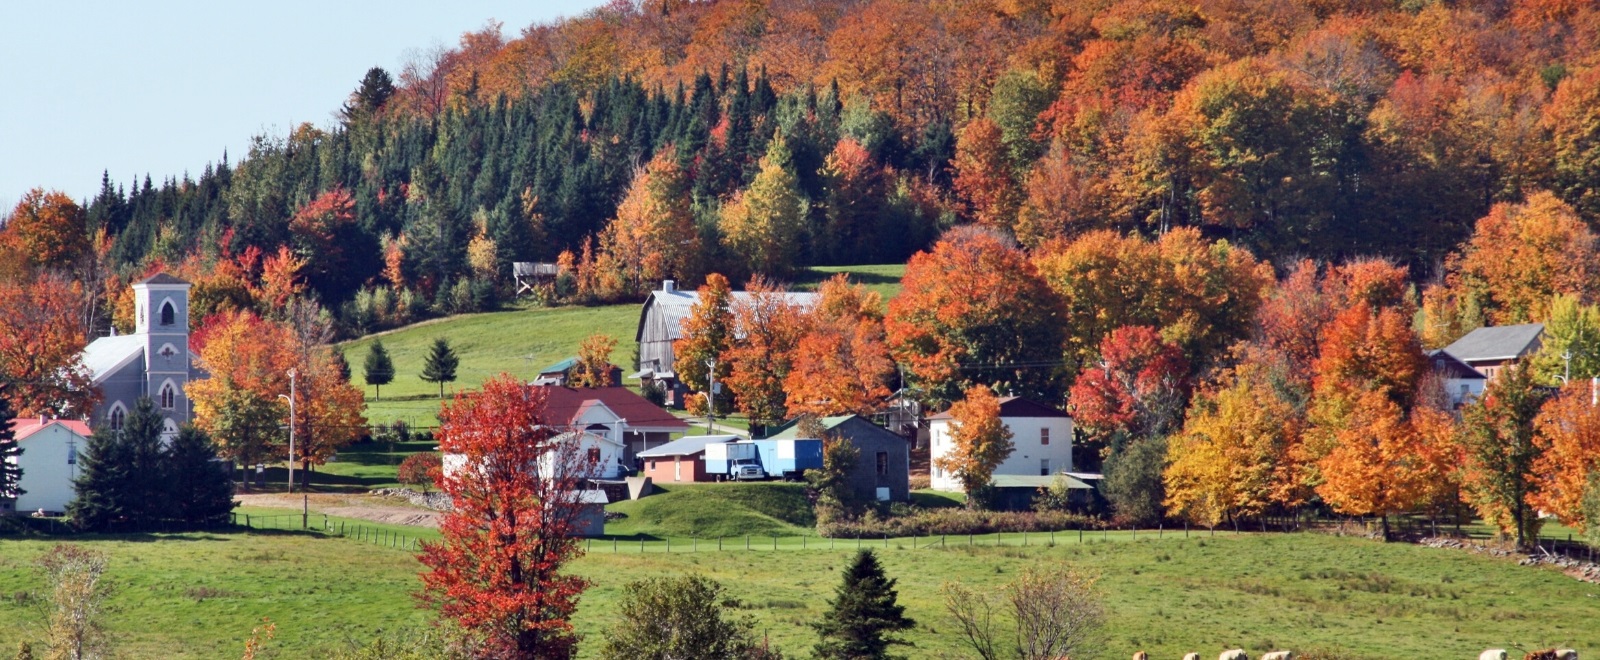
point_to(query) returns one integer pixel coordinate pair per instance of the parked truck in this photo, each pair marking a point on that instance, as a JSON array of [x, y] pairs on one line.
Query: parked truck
[[755, 460]]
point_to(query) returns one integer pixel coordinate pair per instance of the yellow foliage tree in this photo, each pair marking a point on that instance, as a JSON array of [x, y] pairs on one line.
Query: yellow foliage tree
[[1232, 458]]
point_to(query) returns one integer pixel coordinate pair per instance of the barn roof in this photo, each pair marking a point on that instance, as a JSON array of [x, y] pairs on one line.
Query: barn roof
[[22, 427], [690, 444], [565, 404], [791, 430], [674, 305], [1505, 342]]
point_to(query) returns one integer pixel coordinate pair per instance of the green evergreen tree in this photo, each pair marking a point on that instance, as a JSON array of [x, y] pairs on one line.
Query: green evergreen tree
[[440, 365], [864, 614], [10, 451], [199, 486], [120, 473], [378, 369]]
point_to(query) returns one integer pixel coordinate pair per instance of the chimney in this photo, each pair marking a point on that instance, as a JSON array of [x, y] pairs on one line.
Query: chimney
[[669, 286], [42, 420]]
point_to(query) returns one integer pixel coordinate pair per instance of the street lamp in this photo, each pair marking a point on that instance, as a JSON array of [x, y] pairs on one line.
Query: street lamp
[[305, 503]]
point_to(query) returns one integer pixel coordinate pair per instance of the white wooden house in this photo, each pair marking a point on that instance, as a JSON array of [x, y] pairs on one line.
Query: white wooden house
[[1041, 435], [49, 462]]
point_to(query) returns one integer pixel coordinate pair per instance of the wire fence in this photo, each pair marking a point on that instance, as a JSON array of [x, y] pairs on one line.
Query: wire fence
[[322, 524]]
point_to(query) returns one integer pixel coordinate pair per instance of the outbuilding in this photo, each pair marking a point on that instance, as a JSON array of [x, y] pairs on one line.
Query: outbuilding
[[682, 460], [884, 471], [49, 463]]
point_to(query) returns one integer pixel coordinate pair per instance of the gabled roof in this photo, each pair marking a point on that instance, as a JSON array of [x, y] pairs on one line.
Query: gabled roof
[[791, 430], [1506, 342], [162, 278], [566, 404], [23, 427], [1450, 367], [676, 304], [1016, 406], [687, 445], [106, 355], [581, 435]]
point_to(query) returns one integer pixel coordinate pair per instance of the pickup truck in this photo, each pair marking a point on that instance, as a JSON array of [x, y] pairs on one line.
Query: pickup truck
[[746, 469]]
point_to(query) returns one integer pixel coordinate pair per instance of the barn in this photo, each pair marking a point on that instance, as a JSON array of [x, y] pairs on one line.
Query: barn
[[661, 324], [884, 471]]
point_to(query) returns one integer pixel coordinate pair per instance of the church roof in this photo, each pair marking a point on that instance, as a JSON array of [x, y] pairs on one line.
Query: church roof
[[106, 355], [162, 278]]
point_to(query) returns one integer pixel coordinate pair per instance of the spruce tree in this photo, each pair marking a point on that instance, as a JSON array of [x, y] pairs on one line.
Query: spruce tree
[[10, 452], [440, 366], [120, 473], [378, 369], [199, 487], [864, 613]]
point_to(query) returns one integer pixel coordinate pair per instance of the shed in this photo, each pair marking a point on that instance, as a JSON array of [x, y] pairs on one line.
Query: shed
[[49, 463], [682, 460], [592, 512], [884, 471]]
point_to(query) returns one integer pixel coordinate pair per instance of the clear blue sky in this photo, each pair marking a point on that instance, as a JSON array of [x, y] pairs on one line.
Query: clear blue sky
[[164, 87]]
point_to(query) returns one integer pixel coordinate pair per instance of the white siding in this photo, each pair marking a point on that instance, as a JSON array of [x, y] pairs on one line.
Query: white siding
[[1024, 460], [46, 474]]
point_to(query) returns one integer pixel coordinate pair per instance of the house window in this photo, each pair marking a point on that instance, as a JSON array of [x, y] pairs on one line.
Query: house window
[[72, 454], [1044, 437], [652, 465], [169, 396], [117, 418], [1044, 467], [594, 455], [168, 314], [1466, 391], [883, 463]]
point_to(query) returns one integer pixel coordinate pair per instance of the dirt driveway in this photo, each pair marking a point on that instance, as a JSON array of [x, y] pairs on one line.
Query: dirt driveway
[[365, 507]]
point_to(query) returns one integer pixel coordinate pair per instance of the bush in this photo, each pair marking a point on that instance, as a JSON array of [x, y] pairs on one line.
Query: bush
[[654, 393], [954, 522], [421, 469], [682, 617]]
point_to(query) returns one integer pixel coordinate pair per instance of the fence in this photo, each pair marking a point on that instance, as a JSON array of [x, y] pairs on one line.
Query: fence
[[321, 524]]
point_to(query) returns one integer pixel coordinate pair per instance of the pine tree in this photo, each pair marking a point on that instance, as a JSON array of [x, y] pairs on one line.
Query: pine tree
[[199, 486], [120, 473], [864, 612], [440, 366], [10, 452], [378, 369]]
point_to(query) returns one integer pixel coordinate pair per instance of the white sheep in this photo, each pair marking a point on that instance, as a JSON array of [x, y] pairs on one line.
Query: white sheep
[[1236, 654], [1493, 654], [1279, 655], [1191, 656]]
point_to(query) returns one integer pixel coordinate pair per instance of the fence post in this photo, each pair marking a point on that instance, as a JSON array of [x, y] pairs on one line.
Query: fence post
[[1080, 535], [802, 541], [669, 545], [641, 545], [695, 541], [746, 541], [774, 541], [613, 545], [1161, 530]]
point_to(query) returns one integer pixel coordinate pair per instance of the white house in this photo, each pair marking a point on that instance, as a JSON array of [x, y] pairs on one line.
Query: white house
[[604, 453], [1041, 435], [49, 462]]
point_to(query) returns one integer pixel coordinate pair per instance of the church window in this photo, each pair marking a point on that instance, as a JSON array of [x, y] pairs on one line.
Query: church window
[[169, 396], [168, 314], [118, 416]]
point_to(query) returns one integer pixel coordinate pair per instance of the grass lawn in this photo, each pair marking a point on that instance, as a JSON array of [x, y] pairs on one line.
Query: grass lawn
[[712, 510], [884, 279], [198, 595]]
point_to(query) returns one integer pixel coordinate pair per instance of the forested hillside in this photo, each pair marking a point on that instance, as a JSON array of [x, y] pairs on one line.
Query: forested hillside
[[673, 138]]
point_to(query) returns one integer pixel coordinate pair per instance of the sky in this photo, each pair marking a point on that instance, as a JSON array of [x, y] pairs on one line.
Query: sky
[[165, 87]]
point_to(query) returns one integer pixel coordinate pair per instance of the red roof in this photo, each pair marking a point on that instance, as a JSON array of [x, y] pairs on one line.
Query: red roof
[[569, 403], [23, 427]]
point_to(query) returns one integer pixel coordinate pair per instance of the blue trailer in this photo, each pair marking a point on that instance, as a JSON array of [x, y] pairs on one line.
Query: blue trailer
[[743, 460]]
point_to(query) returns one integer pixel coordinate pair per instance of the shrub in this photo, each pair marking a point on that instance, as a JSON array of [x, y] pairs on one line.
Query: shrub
[[421, 469], [682, 617], [955, 521]]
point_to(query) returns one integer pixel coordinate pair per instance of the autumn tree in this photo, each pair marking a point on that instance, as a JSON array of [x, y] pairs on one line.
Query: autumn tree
[[1137, 389], [853, 206], [497, 570], [1569, 347], [1377, 463], [593, 368], [974, 311], [1232, 458], [420, 469], [41, 344], [1567, 436], [378, 368], [707, 334], [47, 229], [653, 235], [78, 595], [680, 617], [841, 365], [1497, 436], [439, 366], [764, 224], [769, 328], [1521, 256], [984, 176], [980, 442], [328, 407]]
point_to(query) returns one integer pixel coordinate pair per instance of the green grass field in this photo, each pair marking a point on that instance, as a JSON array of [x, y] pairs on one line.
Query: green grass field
[[198, 595], [522, 342], [712, 510]]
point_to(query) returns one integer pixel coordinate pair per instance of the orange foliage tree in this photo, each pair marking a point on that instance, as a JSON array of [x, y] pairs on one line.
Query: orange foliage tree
[[41, 344], [707, 334], [973, 310], [983, 174], [1136, 389], [979, 440], [761, 356], [842, 364], [1521, 255], [46, 229], [516, 496], [1568, 436], [653, 236]]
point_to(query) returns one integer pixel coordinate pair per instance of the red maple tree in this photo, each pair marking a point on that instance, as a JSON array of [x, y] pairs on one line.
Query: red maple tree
[[516, 495]]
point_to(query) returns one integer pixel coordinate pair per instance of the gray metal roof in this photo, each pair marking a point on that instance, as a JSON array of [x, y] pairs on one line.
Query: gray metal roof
[[689, 444], [106, 354], [1036, 481], [1506, 342], [675, 305]]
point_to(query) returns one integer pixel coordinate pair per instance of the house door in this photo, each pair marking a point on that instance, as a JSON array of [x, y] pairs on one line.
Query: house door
[[677, 469]]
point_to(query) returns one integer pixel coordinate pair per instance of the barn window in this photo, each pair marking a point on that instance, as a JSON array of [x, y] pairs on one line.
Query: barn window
[[72, 453], [168, 314], [1044, 437], [169, 396], [118, 415], [883, 463]]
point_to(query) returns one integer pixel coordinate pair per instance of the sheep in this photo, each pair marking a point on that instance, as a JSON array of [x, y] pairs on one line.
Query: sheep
[[1236, 654], [1541, 654], [1141, 656], [1566, 654], [1279, 655], [1493, 654], [1191, 656]]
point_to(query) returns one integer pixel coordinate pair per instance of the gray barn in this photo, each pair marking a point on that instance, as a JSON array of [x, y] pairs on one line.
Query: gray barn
[[884, 472], [661, 324]]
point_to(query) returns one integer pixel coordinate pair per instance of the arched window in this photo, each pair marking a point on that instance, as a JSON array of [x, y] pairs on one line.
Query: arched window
[[117, 417], [168, 313], [169, 395]]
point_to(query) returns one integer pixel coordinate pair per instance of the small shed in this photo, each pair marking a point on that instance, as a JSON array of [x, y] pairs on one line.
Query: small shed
[[682, 460], [557, 374], [592, 512], [884, 471], [49, 463]]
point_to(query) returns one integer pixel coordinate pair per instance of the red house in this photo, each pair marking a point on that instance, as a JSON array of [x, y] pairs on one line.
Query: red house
[[682, 460]]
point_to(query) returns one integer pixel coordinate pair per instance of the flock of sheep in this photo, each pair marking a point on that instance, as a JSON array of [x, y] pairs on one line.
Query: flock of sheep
[[1491, 654]]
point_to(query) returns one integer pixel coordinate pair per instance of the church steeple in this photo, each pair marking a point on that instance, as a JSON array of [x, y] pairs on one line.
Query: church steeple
[[161, 319]]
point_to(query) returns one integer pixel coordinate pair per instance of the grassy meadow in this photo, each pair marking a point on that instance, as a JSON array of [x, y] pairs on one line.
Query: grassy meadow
[[198, 595]]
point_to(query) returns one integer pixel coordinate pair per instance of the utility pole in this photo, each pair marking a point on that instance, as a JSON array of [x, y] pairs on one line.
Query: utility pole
[[711, 397], [305, 503]]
